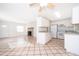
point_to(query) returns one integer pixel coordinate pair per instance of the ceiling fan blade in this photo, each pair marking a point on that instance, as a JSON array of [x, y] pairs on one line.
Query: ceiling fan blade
[[51, 5]]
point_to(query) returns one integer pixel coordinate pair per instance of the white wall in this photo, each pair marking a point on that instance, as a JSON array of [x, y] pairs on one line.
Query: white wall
[[42, 22], [67, 21], [75, 15], [8, 29]]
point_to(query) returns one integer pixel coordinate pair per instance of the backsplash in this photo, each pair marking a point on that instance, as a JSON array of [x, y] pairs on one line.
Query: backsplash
[[77, 28], [72, 28]]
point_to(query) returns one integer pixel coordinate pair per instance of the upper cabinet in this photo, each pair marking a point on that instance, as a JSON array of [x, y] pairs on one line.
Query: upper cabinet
[[75, 15]]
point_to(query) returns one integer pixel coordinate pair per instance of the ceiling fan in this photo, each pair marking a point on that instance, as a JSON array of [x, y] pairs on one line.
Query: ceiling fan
[[42, 6]]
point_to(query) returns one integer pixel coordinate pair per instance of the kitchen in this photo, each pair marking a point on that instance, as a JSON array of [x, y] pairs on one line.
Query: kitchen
[[68, 30]]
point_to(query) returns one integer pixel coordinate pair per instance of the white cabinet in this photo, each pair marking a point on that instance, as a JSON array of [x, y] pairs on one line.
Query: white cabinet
[[71, 42], [75, 15]]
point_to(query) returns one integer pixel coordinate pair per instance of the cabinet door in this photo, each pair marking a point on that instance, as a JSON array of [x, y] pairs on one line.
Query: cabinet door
[[75, 15]]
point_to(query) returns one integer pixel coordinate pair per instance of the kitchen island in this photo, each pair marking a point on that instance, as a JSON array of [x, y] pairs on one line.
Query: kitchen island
[[43, 38]]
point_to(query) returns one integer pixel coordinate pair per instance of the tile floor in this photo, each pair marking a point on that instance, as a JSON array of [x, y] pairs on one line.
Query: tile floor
[[26, 46]]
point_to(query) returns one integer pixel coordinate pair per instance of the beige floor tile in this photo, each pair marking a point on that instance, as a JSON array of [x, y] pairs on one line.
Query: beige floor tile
[[55, 47], [50, 54], [55, 51], [37, 55], [57, 54], [37, 52], [43, 54], [30, 52], [48, 51]]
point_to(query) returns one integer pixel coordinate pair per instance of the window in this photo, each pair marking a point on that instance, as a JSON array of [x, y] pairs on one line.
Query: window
[[4, 26], [20, 29]]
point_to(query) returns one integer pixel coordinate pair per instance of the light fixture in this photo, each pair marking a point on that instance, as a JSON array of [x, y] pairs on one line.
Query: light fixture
[[51, 5]]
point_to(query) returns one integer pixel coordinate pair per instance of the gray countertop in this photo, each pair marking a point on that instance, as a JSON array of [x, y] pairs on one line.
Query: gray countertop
[[71, 32]]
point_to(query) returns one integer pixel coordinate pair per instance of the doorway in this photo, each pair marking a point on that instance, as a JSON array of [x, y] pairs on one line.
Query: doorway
[[30, 31]]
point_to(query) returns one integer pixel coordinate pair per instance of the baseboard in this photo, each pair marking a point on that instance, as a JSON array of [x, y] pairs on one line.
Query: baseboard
[[11, 36], [57, 38]]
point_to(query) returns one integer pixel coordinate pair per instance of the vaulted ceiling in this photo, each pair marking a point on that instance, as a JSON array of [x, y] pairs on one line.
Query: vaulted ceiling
[[20, 12]]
